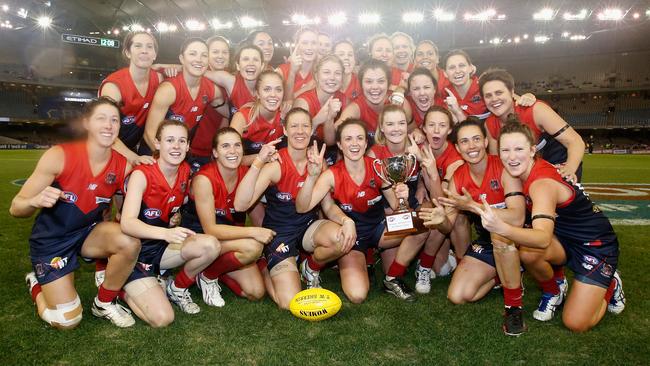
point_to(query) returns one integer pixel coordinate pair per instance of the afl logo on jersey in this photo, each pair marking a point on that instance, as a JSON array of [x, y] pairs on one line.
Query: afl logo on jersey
[[69, 197], [177, 117], [220, 212], [152, 213], [283, 196], [128, 120], [346, 207], [494, 184], [256, 146]]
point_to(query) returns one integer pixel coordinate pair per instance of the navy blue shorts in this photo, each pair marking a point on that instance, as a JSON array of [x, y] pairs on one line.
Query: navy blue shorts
[[57, 258], [368, 236], [284, 245], [593, 264], [148, 263], [482, 251]]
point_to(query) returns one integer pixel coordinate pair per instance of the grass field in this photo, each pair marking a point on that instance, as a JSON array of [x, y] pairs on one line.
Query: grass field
[[383, 330]]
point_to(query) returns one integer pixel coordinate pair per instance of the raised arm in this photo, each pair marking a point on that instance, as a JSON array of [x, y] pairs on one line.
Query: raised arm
[[162, 100], [37, 191], [351, 111], [222, 78]]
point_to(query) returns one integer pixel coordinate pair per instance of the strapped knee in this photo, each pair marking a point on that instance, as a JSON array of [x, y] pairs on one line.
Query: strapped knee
[[65, 316]]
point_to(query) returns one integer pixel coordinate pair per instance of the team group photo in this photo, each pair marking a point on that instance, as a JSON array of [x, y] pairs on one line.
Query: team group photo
[[282, 183]]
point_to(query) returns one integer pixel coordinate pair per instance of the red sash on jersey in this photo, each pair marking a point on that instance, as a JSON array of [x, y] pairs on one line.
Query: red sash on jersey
[[134, 106]]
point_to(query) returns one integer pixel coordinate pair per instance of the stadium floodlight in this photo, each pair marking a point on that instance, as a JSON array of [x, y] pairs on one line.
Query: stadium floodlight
[[443, 16], [337, 19], [22, 12], [217, 24], [581, 15], [496, 41], [162, 27], [483, 16], [135, 27], [517, 39], [249, 22], [578, 37], [614, 14], [116, 31], [302, 19], [194, 25], [636, 15], [5, 8], [566, 34], [542, 38], [525, 36], [44, 21], [546, 14], [413, 17], [369, 18]]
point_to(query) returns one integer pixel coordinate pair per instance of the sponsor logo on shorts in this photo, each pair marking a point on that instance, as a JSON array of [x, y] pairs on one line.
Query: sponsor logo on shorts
[[58, 262], [152, 213], [595, 243], [144, 267], [69, 197], [99, 200], [477, 248], [282, 248], [606, 270], [590, 259], [128, 120], [283, 196], [588, 267]]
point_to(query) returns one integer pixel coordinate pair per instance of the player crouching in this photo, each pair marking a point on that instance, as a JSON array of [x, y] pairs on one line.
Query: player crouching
[[154, 195], [72, 185]]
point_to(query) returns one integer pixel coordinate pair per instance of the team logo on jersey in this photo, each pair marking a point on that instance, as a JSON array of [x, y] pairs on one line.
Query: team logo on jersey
[[220, 212], [589, 259], [69, 197], [346, 207], [283, 196], [361, 194], [476, 99], [606, 270], [372, 183], [92, 186], [152, 213], [272, 132], [99, 200], [128, 120], [354, 94], [177, 117], [58, 262], [282, 248], [494, 184], [205, 99], [110, 178]]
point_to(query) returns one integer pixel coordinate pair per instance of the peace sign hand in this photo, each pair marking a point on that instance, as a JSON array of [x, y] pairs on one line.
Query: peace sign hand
[[315, 160], [428, 160], [451, 101], [490, 220], [463, 203], [295, 60]]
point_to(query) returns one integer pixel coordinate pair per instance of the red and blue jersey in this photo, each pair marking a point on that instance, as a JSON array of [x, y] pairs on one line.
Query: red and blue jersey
[[490, 188], [224, 209], [299, 80], [187, 109], [552, 150], [240, 94], [354, 88], [472, 104], [382, 152], [260, 131], [314, 106], [134, 107], [577, 218], [281, 215], [363, 203], [449, 156], [84, 199], [205, 131]]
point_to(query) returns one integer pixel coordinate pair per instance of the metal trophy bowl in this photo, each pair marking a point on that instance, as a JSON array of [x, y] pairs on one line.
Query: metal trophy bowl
[[394, 170]]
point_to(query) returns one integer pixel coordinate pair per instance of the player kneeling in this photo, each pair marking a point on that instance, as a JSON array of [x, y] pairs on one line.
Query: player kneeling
[[211, 210], [154, 195], [72, 185], [566, 228]]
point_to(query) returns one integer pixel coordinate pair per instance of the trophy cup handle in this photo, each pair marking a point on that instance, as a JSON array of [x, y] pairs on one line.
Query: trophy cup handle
[[380, 171], [414, 164]]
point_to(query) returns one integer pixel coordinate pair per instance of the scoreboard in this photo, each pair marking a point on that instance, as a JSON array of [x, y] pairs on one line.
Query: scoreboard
[[90, 41]]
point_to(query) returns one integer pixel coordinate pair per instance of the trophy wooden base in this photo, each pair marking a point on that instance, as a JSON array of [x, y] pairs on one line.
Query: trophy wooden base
[[406, 222]]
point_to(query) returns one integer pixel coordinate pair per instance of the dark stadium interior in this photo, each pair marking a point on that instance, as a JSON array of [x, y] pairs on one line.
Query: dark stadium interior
[[601, 84]]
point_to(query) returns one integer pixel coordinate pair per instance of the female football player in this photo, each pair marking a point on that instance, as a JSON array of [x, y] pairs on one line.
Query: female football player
[[380, 48], [324, 44], [264, 41], [403, 48], [279, 175], [558, 142], [566, 228], [154, 195], [133, 88], [211, 210], [186, 96], [482, 178], [374, 76], [259, 123], [355, 187], [325, 101], [72, 185], [344, 50], [298, 71]]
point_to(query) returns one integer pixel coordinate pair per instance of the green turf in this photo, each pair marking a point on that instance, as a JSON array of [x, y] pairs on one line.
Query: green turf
[[383, 330]]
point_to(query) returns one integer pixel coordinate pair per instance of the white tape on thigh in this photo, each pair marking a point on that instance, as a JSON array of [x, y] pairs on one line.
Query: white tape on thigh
[[58, 315], [136, 288], [308, 239], [171, 258], [287, 265]]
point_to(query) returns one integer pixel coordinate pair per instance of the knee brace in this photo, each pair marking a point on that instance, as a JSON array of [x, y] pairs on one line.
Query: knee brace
[[66, 315]]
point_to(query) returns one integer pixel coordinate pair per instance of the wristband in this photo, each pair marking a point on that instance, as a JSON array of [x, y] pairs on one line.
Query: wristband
[[387, 187]]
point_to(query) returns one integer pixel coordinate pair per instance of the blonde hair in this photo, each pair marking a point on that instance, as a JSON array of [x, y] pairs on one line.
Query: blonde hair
[[379, 135], [255, 106]]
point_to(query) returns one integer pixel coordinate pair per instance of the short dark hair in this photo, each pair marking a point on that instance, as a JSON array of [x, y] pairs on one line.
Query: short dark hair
[[494, 74], [470, 121]]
